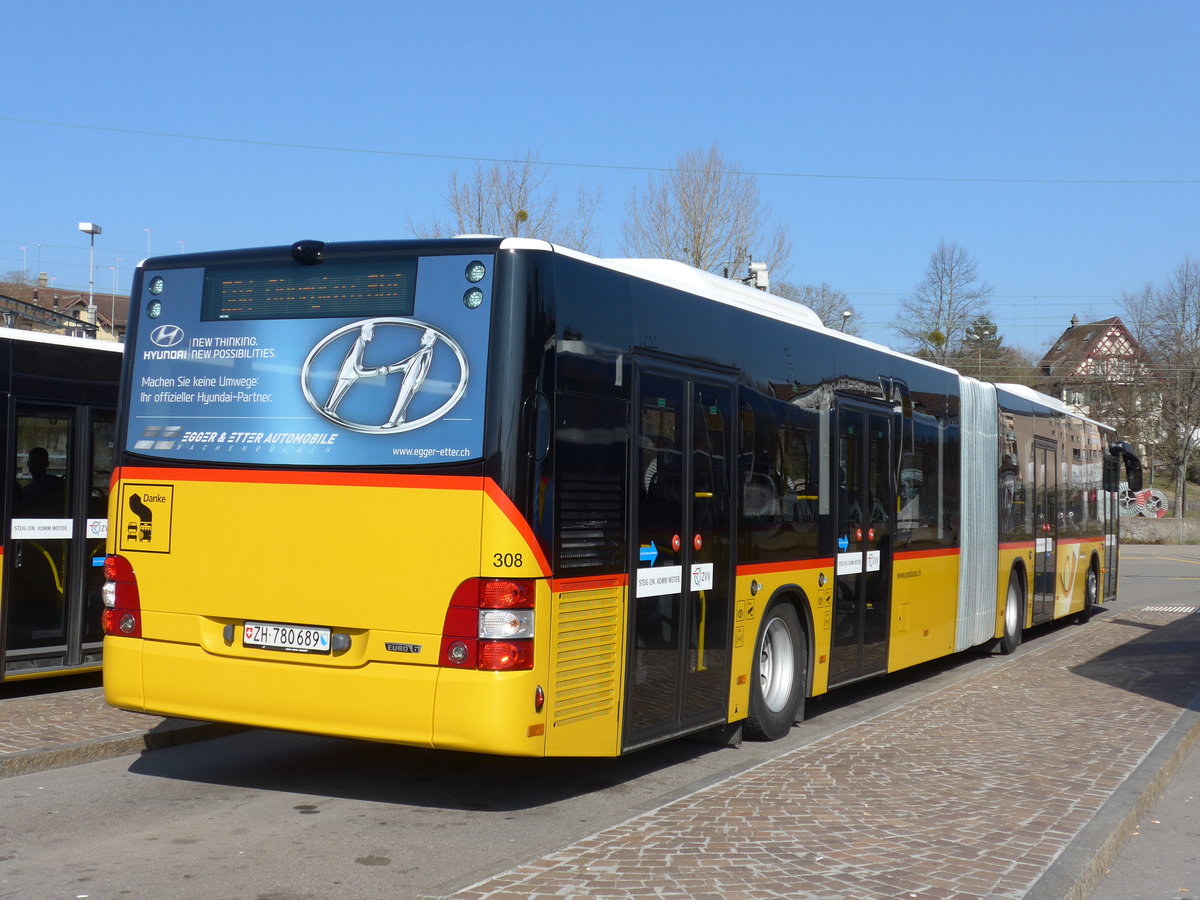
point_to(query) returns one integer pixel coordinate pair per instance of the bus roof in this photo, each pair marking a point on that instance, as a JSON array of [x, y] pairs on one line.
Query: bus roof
[[61, 340], [1053, 403], [681, 276]]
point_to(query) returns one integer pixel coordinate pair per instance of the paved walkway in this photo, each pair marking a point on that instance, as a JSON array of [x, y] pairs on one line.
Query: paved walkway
[[1018, 781]]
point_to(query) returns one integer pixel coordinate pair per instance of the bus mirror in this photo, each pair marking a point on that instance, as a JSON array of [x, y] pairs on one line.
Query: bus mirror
[[1133, 465], [1133, 472]]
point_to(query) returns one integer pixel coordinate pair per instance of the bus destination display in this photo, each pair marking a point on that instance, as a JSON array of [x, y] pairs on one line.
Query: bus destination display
[[334, 289]]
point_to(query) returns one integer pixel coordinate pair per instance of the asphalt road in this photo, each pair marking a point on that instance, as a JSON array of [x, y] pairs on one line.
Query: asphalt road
[[282, 817]]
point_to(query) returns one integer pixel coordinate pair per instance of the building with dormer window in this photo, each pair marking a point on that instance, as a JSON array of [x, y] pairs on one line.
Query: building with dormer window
[[1094, 369]]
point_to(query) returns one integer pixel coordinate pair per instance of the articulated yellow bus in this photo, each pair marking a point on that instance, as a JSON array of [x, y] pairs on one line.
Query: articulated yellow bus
[[495, 495]]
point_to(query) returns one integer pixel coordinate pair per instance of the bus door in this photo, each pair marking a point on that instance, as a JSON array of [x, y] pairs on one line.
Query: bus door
[[1045, 518], [1110, 498], [58, 477], [682, 559], [865, 516]]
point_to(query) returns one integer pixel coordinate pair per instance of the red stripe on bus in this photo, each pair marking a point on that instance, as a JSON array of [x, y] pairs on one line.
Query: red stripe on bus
[[776, 568], [927, 554], [256, 476], [1024, 545]]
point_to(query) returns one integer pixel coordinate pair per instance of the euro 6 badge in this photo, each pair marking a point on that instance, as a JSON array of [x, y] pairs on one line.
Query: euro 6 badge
[[144, 518]]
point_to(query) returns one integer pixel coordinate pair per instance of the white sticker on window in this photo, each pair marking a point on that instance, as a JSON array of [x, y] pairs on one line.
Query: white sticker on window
[[849, 563], [659, 582]]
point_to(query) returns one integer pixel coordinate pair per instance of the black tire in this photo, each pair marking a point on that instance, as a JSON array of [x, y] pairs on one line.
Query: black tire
[[1014, 614], [1091, 595], [779, 675]]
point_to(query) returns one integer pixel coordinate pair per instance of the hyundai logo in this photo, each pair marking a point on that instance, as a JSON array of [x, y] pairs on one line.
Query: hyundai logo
[[166, 335], [409, 352]]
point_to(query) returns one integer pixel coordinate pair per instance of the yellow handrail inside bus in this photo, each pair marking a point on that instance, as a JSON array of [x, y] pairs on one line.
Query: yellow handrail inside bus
[[50, 561]]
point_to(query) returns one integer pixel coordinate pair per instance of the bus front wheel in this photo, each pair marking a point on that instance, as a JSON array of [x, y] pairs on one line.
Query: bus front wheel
[[777, 682], [1014, 614]]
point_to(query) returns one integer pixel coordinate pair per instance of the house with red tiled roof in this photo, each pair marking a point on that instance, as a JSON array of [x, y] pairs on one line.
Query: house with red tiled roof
[[1090, 364]]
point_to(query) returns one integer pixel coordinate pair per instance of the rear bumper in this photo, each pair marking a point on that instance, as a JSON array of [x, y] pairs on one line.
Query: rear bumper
[[422, 706]]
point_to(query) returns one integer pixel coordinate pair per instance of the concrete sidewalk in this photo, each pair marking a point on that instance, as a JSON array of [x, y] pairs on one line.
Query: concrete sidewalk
[[1021, 780]]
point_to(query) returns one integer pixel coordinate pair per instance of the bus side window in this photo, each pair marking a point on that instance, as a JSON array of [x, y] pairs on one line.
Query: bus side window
[[777, 493]]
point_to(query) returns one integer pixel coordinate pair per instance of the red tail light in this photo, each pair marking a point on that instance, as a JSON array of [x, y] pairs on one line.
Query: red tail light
[[505, 594], [504, 656], [122, 616], [489, 625]]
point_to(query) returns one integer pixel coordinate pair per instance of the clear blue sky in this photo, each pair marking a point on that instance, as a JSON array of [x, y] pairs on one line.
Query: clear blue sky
[[1056, 141]]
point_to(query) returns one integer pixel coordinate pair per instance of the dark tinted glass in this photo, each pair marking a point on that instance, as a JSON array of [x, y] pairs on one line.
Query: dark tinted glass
[[291, 292]]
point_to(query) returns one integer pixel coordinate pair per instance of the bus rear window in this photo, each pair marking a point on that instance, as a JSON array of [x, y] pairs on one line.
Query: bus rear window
[[326, 291]]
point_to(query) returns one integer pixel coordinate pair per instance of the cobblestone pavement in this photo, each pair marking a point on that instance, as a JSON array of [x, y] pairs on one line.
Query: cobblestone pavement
[[974, 791]]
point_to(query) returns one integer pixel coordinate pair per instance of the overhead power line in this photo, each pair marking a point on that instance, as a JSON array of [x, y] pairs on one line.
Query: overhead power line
[[832, 176]]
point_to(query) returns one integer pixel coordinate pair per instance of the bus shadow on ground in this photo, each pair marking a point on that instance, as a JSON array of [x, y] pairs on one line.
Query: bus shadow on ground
[[1162, 664], [42, 686], [387, 773]]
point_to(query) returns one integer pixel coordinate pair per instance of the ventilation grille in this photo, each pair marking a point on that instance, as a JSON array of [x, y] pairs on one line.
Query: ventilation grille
[[586, 655], [590, 522]]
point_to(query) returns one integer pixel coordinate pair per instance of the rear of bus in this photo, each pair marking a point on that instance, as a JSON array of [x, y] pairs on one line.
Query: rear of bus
[[308, 523]]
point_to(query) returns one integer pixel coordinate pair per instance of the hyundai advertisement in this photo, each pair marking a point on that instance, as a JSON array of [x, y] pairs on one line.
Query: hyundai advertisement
[[352, 364]]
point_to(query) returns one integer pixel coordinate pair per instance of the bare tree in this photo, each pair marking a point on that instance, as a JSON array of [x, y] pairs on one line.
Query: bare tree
[[828, 303], [935, 317], [1166, 322], [1015, 366], [514, 199], [705, 212], [983, 354]]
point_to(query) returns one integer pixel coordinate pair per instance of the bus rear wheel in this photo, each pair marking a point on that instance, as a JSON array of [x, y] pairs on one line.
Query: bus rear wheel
[[1014, 614], [779, 675]]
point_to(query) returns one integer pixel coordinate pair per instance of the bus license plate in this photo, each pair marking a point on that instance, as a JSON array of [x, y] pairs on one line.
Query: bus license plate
[[296, 638]]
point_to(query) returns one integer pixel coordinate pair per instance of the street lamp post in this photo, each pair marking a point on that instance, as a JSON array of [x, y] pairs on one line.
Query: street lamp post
[[846, 314], [977, 338], [92, 229]]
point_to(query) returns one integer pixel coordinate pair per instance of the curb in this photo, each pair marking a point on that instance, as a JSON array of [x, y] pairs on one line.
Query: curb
[[1081, 866], [170, 733]]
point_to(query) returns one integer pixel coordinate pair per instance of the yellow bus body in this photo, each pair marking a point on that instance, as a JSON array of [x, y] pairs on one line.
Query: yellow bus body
[[376, 557]]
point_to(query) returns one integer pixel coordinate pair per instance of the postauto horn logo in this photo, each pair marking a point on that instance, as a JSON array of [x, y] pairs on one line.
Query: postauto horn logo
[[166, 335], [373, 376]]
